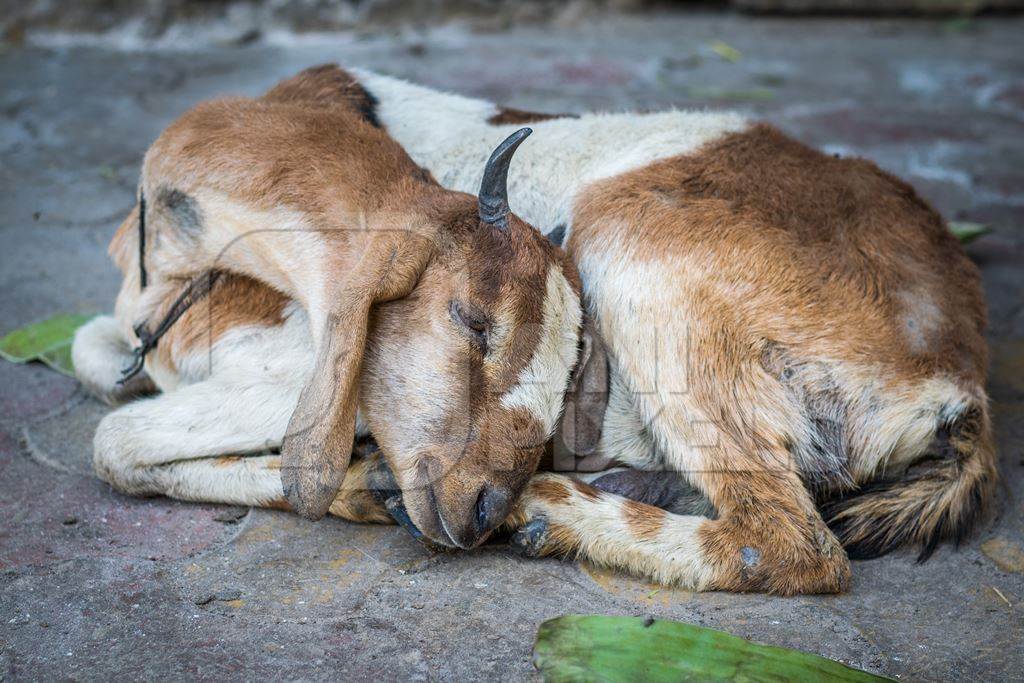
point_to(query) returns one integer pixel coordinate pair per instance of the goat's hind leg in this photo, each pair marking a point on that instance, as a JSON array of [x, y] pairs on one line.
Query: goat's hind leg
[[768, 535]]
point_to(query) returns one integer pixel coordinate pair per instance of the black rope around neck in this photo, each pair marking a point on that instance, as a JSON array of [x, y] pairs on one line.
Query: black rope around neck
[[196, 290]]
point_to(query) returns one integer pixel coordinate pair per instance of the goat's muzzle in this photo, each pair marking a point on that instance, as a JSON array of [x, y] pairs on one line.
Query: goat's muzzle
[[453, 509]]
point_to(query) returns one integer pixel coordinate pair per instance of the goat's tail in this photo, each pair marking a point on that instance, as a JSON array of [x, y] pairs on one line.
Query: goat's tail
[[939, 498]]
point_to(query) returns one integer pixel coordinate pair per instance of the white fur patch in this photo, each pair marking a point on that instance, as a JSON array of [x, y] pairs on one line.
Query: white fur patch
[[99, 352], [651, 414], [673, 558], [896, 421], [235, 398], [541, 385], [449, 135], [253, 480]]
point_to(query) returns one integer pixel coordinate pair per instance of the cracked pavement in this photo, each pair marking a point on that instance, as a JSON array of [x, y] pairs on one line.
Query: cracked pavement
[[96, 585]]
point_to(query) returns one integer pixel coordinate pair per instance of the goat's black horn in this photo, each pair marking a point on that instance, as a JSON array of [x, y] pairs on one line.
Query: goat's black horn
[[494, 187]]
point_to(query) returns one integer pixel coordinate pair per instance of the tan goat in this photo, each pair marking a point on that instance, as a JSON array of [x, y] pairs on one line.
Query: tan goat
[[775, 332], [333, 275]]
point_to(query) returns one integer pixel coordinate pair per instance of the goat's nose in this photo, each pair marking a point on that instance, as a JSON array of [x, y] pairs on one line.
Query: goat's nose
[[491, 508]]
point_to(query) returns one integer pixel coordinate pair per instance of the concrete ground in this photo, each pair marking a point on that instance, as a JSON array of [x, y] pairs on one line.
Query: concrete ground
[[96, 585]]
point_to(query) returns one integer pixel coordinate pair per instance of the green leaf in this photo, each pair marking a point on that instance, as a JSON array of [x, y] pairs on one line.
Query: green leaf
[[48, 341], [967, 232], [726, 51], [609, 649]]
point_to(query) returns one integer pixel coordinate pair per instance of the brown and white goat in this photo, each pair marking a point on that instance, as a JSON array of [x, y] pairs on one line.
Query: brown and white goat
[[779, 332], [788, 331], [343, 282]]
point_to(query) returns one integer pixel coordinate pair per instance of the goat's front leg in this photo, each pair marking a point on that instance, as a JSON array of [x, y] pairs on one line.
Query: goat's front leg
[[184, 444], [203, 443], [136, 444], [171, 444], [221, 479], [762, 542], [100, 353], [711, 413], [562, 516]]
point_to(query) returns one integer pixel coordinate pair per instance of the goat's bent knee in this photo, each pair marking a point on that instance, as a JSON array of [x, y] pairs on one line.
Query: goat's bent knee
[[788, 562], [107, 458], [113, 458]]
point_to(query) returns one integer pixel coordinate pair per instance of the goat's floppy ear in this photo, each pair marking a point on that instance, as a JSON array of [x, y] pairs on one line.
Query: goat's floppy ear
[[586, 400], [317, 448]]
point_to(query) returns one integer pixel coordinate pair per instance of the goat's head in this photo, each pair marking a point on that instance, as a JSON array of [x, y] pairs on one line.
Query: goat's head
[[463, 374]]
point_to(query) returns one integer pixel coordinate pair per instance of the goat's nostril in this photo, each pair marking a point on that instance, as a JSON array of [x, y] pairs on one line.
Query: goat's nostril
[[491, 507]]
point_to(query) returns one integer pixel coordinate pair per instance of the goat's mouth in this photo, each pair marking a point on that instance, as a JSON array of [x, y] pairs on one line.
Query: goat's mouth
[[441, 534], [386, 490]]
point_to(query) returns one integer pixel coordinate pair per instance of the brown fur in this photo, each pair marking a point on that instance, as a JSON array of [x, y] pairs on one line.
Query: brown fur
[[235, 301], [215, 147], [355, 502], [644, 521], [800, 268], [587, 491], [734, 197], [518, 117], [329, 86], [552, 492]]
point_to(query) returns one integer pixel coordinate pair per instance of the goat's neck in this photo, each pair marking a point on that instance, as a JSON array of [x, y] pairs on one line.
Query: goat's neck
[[451, 137]]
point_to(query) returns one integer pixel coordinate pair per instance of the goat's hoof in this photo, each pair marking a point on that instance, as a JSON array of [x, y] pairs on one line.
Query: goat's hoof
[[827, 575], [529, 540], [381, 482]]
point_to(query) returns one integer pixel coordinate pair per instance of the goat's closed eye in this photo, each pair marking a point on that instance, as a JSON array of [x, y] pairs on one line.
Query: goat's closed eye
[[474, 322]]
